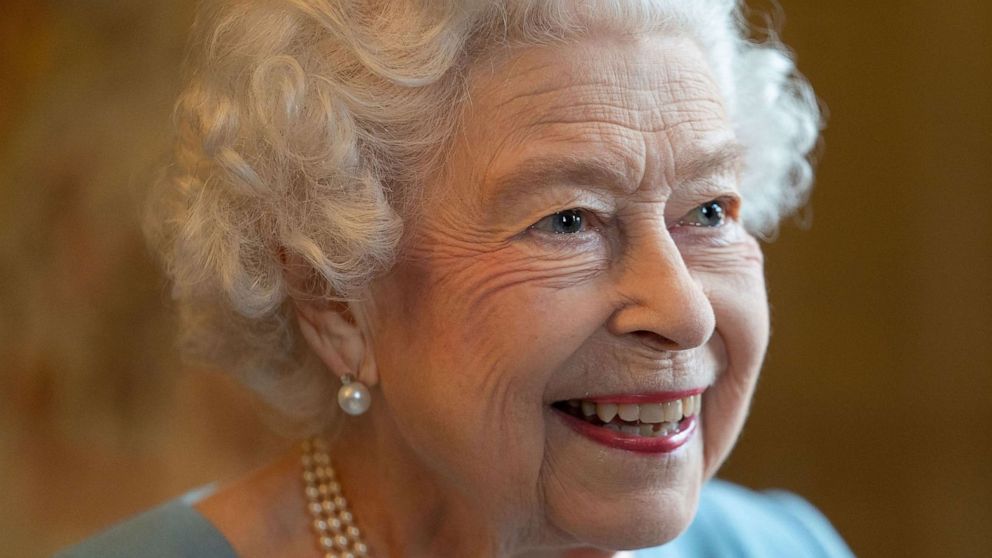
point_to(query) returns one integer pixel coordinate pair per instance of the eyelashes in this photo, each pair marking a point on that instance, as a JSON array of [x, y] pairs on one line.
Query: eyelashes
[[569, 221], [711, 214], [576, 221]]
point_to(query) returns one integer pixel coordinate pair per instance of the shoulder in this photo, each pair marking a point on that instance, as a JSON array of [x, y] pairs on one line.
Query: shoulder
[[173, 530], [735, 521]]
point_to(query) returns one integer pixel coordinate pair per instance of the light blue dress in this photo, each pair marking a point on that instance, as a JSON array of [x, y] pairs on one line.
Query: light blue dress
[[732, 522]]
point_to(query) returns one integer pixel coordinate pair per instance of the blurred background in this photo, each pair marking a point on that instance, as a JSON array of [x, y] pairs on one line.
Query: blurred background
[[875, 404]]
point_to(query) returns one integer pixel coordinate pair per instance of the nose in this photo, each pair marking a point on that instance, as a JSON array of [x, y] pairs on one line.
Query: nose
[[663, 305]]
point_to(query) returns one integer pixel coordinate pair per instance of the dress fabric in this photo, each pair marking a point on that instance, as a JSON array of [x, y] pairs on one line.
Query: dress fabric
[[732, 522]]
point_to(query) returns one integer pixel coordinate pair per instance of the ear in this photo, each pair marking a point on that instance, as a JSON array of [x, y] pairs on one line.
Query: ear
[[338, 334]]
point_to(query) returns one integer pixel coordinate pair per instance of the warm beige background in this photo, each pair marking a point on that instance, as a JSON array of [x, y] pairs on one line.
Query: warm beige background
[[875, 399]]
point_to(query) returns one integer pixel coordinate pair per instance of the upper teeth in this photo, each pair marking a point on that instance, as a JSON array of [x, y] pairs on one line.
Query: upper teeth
[[651, 413]]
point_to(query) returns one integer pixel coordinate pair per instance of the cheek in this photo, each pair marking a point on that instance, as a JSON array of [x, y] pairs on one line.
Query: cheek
[[479, 336], [736, 289], [504, 315]]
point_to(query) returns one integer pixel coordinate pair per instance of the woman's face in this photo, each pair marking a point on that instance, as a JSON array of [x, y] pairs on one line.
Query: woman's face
[[583, 246]]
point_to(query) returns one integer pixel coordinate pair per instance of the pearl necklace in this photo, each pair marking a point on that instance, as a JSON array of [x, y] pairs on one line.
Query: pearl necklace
[[337, 534]]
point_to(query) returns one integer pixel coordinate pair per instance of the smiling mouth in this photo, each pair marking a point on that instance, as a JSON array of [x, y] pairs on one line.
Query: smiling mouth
[[657, 419]]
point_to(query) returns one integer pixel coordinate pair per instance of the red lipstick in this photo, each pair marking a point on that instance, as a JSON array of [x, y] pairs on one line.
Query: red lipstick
[[633, 442]]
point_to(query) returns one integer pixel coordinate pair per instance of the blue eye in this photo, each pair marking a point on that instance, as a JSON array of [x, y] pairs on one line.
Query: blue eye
[[569, 221], [710, 214]]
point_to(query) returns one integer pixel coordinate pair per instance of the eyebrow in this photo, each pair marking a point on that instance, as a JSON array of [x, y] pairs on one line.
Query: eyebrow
[[604, 173], [700, 163], [526, 179]]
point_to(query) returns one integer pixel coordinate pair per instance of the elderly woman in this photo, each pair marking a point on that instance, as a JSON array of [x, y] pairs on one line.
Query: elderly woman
[[498, 259]]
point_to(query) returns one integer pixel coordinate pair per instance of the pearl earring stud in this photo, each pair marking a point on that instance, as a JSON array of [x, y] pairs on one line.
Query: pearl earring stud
[[353, 397]]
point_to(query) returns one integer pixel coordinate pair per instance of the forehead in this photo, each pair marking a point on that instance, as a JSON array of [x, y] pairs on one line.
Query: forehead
[[640, 110]]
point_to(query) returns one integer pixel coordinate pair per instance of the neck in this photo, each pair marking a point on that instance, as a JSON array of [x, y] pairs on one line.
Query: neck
[[401, 507], [264, 514], [405, 509]]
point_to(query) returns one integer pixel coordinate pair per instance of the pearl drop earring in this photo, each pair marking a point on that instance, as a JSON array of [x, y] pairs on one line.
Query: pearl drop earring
[[353, 397]]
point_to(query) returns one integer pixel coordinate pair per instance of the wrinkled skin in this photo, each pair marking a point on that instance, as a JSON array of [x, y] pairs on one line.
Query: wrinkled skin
[[487, 320], [492, 314]]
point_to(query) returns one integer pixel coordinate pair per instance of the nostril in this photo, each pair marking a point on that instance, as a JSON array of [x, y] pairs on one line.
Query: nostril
[[655, 341]]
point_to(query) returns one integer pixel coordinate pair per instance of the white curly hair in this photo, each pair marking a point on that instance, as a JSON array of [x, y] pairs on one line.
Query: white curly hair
[[308, 127]]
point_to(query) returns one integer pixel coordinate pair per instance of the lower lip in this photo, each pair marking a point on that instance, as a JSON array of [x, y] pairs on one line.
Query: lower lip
[[630, 442]]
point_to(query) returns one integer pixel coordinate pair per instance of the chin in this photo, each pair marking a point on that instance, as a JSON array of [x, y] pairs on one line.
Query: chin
[[614, 499], [626, 514], [656, 520]]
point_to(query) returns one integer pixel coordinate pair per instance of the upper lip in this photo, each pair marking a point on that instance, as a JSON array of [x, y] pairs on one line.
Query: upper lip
[[677, 375], [642, 396]]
